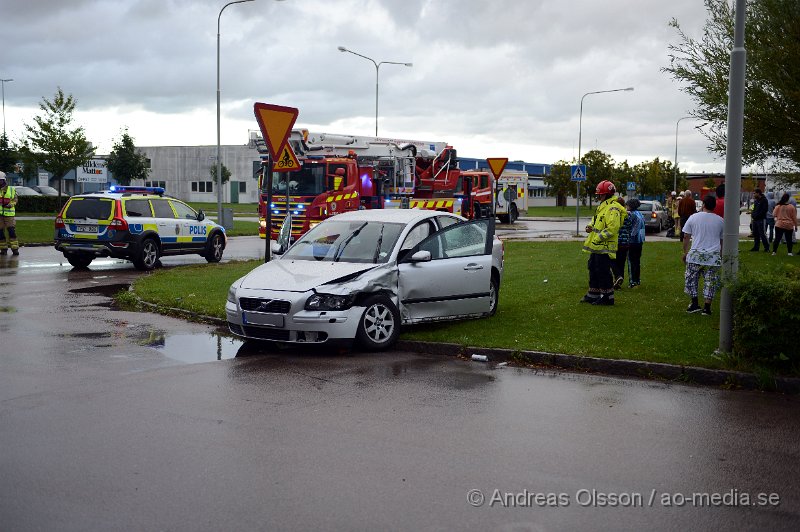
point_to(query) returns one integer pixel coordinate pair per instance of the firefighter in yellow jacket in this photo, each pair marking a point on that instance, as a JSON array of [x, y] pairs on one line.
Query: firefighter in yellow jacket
[[602, 245], [8, 202]]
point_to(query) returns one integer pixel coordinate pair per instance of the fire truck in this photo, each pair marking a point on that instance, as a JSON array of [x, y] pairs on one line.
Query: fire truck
[[340, 173], [510, 193]]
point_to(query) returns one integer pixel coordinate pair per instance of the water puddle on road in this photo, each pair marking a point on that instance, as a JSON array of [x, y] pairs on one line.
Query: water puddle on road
[[194, 348]]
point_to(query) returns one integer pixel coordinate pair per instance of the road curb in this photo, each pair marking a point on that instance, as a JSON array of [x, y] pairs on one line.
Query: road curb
[[558, 361], [620, 367]]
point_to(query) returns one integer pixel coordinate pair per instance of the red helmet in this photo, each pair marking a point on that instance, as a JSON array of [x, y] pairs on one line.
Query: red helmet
[[605, 187]]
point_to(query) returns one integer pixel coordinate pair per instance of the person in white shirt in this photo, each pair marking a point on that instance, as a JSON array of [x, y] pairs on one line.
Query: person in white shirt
[[705, 230]]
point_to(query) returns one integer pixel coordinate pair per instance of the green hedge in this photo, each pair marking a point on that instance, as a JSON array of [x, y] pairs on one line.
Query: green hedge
[[766, 310], [43, 204]]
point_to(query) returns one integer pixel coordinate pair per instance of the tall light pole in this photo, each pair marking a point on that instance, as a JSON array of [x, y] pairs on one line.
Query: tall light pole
[[675, 177], [219, 150], [3, 82], [733, 177], [377, 72], [580, 130]]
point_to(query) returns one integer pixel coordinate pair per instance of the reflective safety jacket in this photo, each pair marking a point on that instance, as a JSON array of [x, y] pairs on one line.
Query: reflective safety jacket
[[605, 228], [8, 201]]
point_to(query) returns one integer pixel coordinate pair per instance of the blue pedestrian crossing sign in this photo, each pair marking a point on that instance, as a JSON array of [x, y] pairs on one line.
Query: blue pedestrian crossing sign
[[631, 185], [578, 172]]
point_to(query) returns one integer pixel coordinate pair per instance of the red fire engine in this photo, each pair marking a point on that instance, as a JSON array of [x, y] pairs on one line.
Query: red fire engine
[[340, 173]]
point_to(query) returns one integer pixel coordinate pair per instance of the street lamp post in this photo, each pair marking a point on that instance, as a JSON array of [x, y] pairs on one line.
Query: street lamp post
[[377, 71], [675, 177], [580, 130], [219, 150], [3, 82]]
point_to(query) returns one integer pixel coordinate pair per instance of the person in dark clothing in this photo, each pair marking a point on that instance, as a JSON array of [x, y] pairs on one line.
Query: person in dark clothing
[[686, 208], [618, 264], [759, 217]]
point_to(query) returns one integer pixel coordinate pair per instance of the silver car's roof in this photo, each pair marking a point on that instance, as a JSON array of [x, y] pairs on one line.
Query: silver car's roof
[[404, 216]]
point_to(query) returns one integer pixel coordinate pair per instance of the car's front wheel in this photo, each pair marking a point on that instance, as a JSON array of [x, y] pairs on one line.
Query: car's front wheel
[[215, 248], [147, 256], [379, 326]]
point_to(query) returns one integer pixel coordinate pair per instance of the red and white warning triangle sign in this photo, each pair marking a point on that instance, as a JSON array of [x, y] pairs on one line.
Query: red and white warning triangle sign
[[276, 122], [497, 166]]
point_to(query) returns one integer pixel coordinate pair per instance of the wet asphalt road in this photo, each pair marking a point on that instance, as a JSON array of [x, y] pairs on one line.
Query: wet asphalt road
[[118, 420]]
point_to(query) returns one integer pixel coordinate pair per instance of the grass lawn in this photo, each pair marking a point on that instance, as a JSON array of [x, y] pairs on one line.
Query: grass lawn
[[561, 212], [42, 231], [647, 323], [248, 209]]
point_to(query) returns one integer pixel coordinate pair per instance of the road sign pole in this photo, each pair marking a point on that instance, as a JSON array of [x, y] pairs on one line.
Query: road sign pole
[[578, 209]]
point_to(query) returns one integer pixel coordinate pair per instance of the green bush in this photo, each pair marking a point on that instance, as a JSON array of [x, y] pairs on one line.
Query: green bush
[[766, 310], [43, 204]]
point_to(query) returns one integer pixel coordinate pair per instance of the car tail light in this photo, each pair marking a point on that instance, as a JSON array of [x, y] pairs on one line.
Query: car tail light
[[654, 215], [118, 224], [60, 222]]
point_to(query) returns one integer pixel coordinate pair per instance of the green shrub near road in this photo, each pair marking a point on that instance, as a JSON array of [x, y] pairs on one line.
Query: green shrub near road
[[40, 204], [539, 307], [767, 311]]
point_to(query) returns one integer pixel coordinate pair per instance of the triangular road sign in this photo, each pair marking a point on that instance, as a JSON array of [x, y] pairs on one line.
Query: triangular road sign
[[276, 122], [287, 161], [497, 166]]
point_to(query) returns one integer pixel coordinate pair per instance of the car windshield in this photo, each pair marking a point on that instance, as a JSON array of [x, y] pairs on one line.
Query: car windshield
[[347, 241], [645, 207], [89, 208], [308, 181]]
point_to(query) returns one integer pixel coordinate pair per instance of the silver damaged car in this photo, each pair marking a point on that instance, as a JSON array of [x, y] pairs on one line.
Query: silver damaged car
[[361, 275]]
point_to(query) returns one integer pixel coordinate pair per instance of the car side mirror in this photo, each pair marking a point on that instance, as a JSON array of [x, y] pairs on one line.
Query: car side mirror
[[421, 256], [276, 248], [201, 216]]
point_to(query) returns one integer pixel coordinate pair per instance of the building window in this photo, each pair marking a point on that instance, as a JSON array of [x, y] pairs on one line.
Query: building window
[[242, 187], [162, 184], [202, 186]]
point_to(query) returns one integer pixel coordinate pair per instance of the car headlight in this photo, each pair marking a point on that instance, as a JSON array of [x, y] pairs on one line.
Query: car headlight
[[232, 295], [329, 302]]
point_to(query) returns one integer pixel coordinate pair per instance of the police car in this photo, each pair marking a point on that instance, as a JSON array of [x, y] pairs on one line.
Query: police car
[[139, 224]]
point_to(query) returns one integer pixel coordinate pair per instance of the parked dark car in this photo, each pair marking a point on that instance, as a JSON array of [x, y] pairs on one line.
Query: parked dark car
[[655, 215]]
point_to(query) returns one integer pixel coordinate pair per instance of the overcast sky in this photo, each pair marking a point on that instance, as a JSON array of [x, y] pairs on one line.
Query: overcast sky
[[500, 78]]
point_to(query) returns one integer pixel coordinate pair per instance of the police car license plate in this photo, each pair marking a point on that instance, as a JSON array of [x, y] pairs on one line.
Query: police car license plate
[[85, 228], [270, 320]]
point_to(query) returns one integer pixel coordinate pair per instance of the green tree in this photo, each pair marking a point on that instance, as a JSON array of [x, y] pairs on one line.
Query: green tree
[[125, 162], [558, 182], [599, 167], [226, 174], [53, 145], [622, 174], [772, 101], [8, 155]]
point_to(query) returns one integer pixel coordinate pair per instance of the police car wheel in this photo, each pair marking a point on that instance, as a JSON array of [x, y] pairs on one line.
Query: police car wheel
[[79, 260], [379, 326], [148, 255], [494, 293], [215, 248]]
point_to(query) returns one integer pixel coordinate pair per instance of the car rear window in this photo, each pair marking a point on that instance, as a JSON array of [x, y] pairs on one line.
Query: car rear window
[[92, 208], [134, 207], [645, 207]]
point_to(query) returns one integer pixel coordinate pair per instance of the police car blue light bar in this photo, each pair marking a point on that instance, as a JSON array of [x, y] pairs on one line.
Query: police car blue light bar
[[136, 190]]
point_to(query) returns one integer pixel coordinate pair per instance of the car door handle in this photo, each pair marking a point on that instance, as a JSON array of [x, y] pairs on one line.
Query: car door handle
[[473, 266]]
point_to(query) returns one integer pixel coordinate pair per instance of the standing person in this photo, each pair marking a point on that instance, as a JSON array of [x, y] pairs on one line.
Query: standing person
[[602, 244], [8, 224], [785, 223], [759, 217], [635, 242], [719, 210], [704, 230], [672, 205], [769, 221], [618, 264], [686, 208]]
